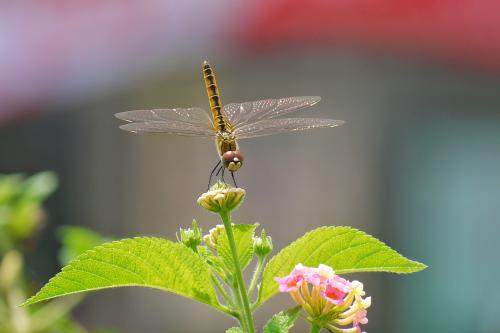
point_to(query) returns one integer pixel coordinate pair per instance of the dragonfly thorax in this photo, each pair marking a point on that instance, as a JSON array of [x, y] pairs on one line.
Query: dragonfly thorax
[[225, 141], [230, 156]]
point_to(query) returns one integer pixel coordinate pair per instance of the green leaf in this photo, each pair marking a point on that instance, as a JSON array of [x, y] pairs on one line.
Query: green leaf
[[345, 249], [20, 202], [234, 330], [143, 261], [243, 236], [39, 186], [77, 240], [23, 219], [282, 321], [10, 186]]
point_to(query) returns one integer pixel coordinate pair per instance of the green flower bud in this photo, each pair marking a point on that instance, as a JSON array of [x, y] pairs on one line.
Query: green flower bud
[[190, 237], [222, 197], [212, 238], [262, 245]]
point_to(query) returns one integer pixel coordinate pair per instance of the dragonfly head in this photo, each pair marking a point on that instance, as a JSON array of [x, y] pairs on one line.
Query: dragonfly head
[[233, 160]]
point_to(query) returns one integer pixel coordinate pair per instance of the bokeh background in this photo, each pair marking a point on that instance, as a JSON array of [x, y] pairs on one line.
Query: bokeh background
[[417, 163]]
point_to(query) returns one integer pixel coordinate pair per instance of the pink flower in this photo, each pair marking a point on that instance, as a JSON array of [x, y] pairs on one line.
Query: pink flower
[[289, 283], [319, 276], [325, 295], [292, 281], [335, 289], [333, 294], [316, 279], [360, 317], [340, 283]]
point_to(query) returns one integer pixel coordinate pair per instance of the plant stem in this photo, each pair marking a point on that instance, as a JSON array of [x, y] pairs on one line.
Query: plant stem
[[255, 277], [222, 291], [240, 283], [315, 328], [241, 316]]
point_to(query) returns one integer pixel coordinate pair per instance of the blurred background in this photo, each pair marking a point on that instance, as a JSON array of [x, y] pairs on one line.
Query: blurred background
[[417, 164]]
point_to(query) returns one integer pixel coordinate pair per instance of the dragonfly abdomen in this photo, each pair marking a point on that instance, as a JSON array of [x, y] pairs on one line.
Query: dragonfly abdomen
[[214, 98]]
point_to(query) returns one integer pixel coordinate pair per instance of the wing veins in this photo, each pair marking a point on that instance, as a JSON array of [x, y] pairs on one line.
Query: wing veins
[[168, 127], [280, 125], [241, 114], [195, 116]]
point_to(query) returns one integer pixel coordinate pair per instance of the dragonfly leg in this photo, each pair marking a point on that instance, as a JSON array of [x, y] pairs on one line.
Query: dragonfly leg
[[220, 169], [212, 173], [234, 180], [222, 174]]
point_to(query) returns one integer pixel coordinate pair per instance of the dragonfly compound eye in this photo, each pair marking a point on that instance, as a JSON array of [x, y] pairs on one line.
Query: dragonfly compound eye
[[238, 155], [232, 160]]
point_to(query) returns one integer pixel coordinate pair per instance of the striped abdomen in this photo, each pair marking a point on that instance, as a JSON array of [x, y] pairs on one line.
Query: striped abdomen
[[213, 96]]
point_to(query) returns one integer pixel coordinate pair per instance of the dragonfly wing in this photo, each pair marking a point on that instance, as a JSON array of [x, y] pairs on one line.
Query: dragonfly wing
[[169, 127], [194, 116], [274, 126], [240, 114]]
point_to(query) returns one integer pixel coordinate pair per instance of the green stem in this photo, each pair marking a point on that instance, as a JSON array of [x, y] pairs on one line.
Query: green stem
[[19, 317], [255, 277], [240, 283], [222, 291], [315, 328], [241, 316]]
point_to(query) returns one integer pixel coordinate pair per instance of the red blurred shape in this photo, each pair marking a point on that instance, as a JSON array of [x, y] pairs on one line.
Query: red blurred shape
[[462, 30]]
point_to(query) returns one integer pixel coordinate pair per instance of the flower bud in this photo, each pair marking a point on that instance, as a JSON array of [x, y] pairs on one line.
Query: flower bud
[[190, 237], [262, 245], [221, 197], [212, 238]]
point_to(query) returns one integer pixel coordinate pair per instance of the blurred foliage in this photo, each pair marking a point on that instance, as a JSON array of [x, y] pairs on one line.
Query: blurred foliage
[[21, 213], [76, 240], [22, 217]]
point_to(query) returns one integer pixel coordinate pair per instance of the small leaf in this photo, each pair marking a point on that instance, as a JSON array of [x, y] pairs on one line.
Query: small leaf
[[282, 321], [76, 240], [40, 186], [143, 261], [10, 186], [243, 236], [234, 330], [20, 202], [23, 219], [345, 249]]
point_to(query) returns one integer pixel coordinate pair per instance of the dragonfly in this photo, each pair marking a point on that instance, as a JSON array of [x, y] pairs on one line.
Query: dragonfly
[[227, 123]]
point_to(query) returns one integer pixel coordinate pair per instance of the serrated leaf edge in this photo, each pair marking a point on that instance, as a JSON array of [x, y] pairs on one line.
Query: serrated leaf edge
[[34, 300], [415, 265]]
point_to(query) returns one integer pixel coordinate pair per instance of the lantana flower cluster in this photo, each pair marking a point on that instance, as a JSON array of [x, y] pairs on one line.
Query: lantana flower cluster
[[222, 197], [329, 300]]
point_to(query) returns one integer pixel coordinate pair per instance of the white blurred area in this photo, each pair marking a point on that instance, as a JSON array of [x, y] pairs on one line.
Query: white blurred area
[[59, 52], [416, 164]]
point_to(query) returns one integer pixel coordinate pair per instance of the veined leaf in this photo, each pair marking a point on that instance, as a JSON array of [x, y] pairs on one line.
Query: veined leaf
[[282, 321], [243, 236], [143, 261], [345, 249]]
